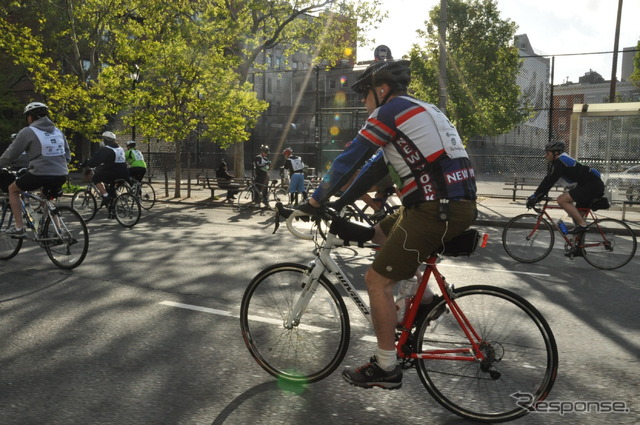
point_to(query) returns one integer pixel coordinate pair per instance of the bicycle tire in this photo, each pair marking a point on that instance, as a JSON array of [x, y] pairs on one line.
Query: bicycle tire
[[244, 199], [279, 194], [147, 196], [127, 210], [9, 247], [608, 244], [311, 350], [521, 360], [84, 202], [525, 242], [67, 239]]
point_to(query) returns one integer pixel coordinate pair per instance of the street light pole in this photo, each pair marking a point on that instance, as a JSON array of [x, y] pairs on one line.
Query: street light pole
[[135, 77]]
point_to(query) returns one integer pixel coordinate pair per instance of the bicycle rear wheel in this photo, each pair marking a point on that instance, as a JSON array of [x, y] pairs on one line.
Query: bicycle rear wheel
[[520, 356], [65, 238], [147, 196], [127, 210], [527, 239], [608, 244], [313, 348], [84, 202], [9, 247]]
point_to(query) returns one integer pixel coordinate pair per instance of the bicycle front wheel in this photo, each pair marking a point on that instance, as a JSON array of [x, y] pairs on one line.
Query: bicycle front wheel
[[65, 238], [84, 202], [519, 359], [9, 246], [147, 196], [244, 199], [608, 244], [528, 238], [127, 210], [312, 348]]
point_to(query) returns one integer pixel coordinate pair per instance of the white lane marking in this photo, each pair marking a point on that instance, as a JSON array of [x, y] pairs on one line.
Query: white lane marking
[[494, 270], [229, 314], [197, 308]]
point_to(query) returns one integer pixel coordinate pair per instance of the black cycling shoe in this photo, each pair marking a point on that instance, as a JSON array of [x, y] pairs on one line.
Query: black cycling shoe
[[577, 230], [372, 375]]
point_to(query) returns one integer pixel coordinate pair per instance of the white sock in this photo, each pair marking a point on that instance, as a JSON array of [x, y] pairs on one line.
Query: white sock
[[387, 359]]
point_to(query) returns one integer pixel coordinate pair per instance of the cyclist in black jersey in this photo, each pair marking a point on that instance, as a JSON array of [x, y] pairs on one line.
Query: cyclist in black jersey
[[584, 184]]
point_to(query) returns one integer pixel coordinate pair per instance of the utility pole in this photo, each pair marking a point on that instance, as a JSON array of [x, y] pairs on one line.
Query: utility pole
[[614, 67], [442, 43]]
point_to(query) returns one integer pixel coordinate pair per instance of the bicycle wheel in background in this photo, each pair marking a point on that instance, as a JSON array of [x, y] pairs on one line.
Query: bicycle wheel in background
[[316, 344], [519, 350], [84, 202], [280, 194], [65, 238], [608, 244], [527, 239], [244, 199], [127, 210], [9, 246], [147, 196]]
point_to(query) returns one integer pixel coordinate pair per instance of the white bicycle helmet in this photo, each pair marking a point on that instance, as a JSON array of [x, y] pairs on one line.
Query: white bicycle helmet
[[108, 135], [36, 109]]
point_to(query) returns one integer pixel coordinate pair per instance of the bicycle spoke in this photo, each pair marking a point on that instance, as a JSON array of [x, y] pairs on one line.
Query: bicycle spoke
[[608, 244]]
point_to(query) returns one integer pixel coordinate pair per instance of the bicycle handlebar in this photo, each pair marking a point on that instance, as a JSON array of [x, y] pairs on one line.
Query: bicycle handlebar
[[289, 216]]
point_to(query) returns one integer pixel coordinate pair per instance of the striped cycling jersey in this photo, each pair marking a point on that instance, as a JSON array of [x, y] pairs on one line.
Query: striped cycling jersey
[[423, 150]]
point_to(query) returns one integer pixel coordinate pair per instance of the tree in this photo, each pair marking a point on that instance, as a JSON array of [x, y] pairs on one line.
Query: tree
[[324, 29], [635, 75], [482, 66]]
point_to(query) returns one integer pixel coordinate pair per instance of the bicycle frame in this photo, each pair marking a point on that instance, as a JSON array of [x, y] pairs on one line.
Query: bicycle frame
[[324, 262], [572, 242]]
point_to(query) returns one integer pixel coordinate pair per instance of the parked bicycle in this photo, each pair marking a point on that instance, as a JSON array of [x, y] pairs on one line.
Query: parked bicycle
[[607, 243], [122, 205], [251, 196], [59, 230], [473, 350]]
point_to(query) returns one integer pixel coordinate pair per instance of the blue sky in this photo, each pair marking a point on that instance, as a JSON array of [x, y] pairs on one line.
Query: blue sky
[[553, 27]]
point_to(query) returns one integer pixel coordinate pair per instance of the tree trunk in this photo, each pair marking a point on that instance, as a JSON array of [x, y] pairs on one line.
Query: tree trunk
[[178, 174]]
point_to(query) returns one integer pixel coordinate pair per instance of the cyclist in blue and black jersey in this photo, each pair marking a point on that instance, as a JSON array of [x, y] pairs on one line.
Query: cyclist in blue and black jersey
[[584, 184], [429, 165]]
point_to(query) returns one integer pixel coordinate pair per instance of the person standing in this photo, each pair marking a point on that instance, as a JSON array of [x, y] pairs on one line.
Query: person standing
[[261, 166], [294, 165], [48, 153]]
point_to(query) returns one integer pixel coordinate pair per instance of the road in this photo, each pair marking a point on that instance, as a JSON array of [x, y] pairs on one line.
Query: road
[[146, 330]]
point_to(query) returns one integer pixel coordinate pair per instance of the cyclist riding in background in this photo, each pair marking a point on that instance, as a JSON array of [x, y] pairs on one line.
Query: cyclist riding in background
[[261, 165], [430, 166], [294, 165], [48, 153], [110, 164], [135, 159], [584, 184]]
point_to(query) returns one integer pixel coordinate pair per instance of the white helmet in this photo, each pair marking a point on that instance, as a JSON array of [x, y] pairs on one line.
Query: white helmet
[[14, 135], [131, 142], [108, 135], [30, 108]]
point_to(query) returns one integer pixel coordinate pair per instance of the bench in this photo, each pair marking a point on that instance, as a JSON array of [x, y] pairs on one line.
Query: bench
[[515, 184], [202, 174], [631, 196], [215, 183]]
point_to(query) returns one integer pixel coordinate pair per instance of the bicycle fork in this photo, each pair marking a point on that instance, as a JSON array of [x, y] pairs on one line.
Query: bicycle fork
[[309, 285]]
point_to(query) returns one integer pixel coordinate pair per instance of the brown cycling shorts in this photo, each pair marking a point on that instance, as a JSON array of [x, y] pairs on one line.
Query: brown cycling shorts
[[414, 233]]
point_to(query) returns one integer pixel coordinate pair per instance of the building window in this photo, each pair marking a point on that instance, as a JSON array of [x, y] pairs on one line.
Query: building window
[[562, 124], [332, 83], [269, 86], [562, 103]]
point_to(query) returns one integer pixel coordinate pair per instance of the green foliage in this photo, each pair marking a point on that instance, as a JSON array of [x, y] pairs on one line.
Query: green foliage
[[635, 75], [482, 66]]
